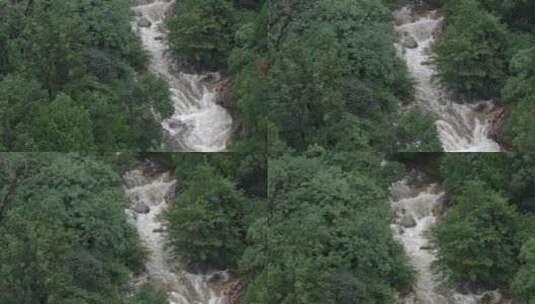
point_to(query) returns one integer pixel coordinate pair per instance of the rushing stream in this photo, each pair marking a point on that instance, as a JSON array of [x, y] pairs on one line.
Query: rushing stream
[[417, 204], [198, 124], [149, 196], [461, 128]]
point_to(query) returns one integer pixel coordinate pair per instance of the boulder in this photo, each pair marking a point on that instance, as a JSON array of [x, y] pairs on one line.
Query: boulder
[[140, 207], [491, 297], [407, 221], [144, 22], [409, 42]]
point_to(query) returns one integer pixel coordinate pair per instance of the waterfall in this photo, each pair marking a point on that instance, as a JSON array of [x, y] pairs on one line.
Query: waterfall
[[149, 197], [198, 124], [416, 204], [461, 128]]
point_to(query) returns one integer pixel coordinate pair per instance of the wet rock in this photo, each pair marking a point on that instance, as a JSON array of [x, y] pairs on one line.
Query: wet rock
[[491, 297], [426, 247], [217, 278], [144, 22], [158, 230], [407, 221], [409, 42], [140, 207]]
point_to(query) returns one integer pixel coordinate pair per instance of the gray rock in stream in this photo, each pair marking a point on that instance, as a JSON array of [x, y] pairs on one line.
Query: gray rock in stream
[[144, 22], [140, 207], [407, 221], [409, 42]]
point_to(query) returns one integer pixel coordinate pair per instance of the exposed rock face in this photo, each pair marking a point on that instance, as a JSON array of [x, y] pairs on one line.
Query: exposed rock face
[[497, 119], [144, 22], [140, 207], [407, 221], [234, 292]]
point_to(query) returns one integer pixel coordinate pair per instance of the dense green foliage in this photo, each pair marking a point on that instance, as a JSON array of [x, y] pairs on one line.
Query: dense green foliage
[[476, 240], [64, 231], [310, 72], [486, 238], [72, 78], [471, 54], [487, 51], [327, 239], [335, 80], [221, 197]]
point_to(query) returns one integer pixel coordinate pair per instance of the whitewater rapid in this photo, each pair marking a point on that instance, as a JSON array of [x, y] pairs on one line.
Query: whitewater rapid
[[417, 206], [461, 128], [182, 287], [198, 124]]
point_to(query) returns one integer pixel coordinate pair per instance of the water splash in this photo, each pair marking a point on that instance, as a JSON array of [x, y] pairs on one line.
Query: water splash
[[198, 124], [423, 202], [461, 128], [183, 287]]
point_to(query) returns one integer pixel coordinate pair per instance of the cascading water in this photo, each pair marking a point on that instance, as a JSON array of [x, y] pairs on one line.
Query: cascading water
[[416, 205], [461, 128], [198, 124], [148, 197]]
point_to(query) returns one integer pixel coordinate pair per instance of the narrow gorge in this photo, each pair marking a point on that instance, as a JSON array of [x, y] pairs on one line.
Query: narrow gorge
[[462, 127], [198, 124]]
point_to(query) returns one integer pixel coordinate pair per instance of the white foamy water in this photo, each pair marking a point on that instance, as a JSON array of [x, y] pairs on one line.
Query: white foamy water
[[182, 287], [198, 124], [422, 203], [460, 127]]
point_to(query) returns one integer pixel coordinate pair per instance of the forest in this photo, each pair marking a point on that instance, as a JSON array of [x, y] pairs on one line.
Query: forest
[[340, 128], [321, 227]]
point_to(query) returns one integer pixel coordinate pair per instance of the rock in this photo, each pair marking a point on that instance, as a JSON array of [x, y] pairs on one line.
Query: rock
[[158, 230], [426, 247], [497, 119], [216, 278], [235, 291], [144, 22], [491, 297], [140, 207], [441, 205], [407, 221], [409, 42]]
